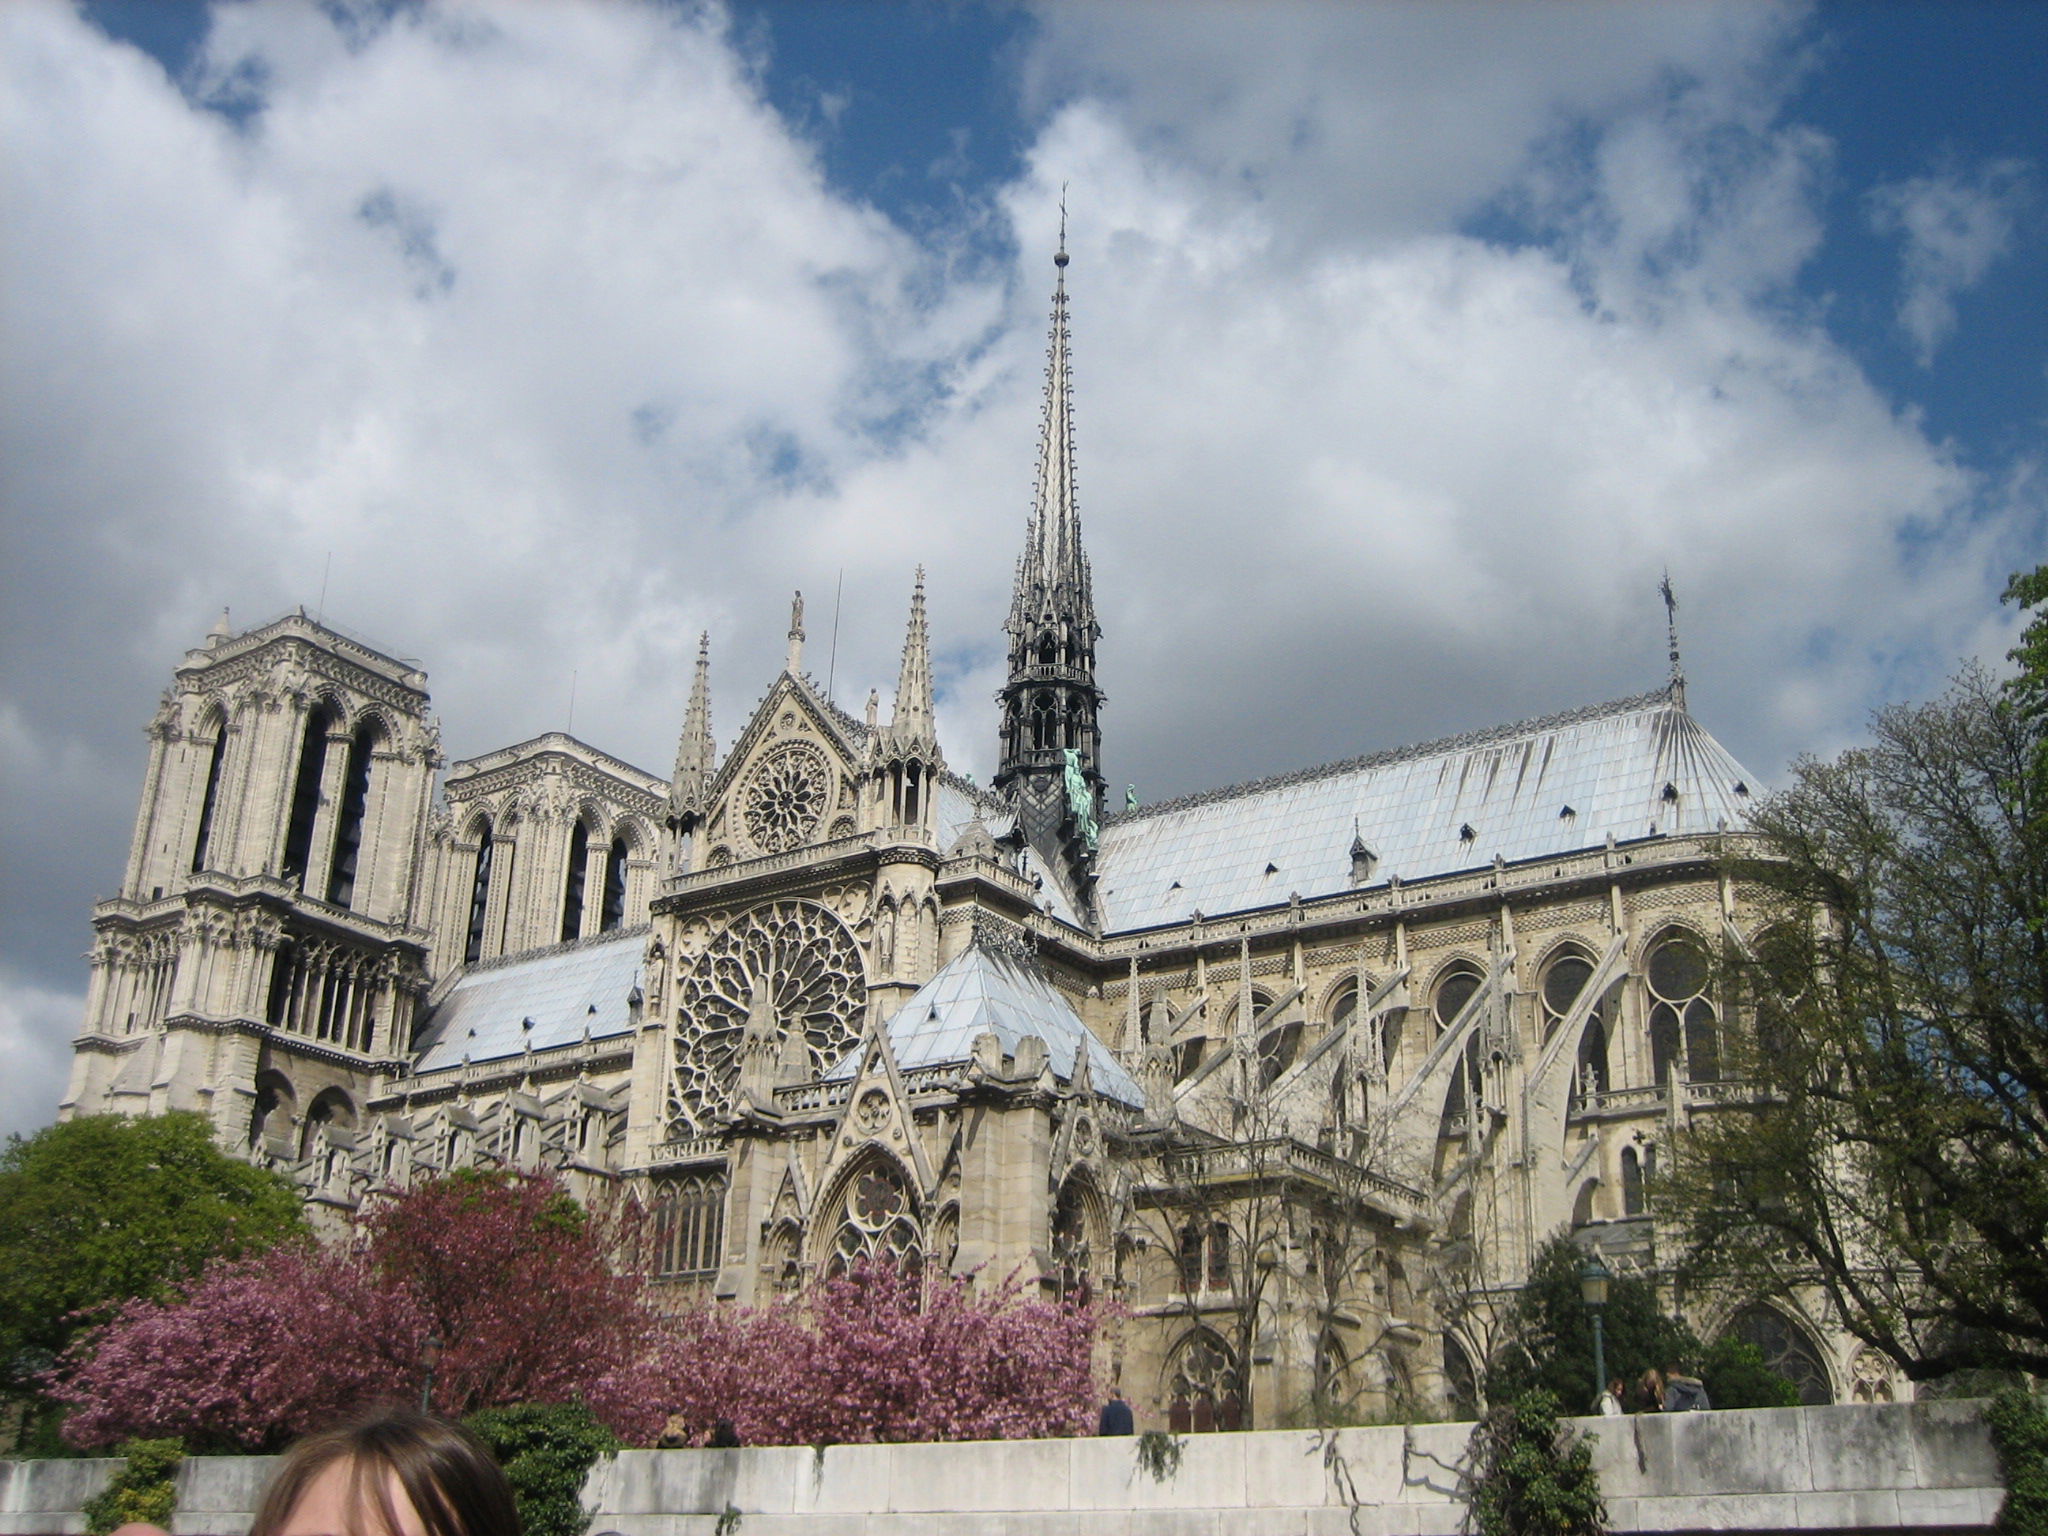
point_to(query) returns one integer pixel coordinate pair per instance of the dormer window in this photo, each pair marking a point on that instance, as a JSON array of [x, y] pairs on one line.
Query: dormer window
[[1465, 832], [1670, 795]]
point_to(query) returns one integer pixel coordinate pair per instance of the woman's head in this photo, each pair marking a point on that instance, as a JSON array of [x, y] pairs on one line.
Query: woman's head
[[392, 1473]]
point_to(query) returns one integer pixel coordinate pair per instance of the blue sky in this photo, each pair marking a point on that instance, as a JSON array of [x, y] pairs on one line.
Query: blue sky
[[1412, 343]]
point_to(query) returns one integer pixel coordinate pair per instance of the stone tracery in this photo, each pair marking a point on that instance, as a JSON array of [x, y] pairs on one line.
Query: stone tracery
[[786, 975]]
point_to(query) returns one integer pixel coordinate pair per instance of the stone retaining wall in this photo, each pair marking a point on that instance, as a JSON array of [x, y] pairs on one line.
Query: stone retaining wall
[[1924, 1467]]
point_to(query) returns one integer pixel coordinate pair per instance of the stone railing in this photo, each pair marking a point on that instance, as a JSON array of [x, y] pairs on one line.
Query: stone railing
[[1925, 1467], [1278, 1156]]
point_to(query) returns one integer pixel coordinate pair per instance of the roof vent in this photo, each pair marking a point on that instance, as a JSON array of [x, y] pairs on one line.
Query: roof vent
[[1741, 788], [527, 1022], [1465, 832], [1670, 794], [1566, 814], [1272, 868], [591, 1009]]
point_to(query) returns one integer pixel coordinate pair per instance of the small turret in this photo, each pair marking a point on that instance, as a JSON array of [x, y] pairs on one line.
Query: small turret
[[696, 752]]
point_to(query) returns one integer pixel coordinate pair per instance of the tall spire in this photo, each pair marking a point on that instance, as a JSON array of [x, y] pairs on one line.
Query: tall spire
[[1052, 747], [1677, 684], [912, 725], [696, 753], [1052, 575]]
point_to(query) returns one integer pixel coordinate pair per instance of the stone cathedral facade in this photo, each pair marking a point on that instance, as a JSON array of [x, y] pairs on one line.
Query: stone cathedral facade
[[1302, 1070]]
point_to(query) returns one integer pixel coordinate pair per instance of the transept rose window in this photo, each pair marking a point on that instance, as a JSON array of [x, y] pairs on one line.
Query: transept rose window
[[786, 797]]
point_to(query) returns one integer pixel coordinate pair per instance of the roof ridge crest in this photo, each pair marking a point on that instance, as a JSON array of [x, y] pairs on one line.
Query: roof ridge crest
[[1462, 741]]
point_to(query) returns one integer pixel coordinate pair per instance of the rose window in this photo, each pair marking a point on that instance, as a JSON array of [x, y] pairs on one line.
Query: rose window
[[787, 796], [785, 978], [879, 1221]]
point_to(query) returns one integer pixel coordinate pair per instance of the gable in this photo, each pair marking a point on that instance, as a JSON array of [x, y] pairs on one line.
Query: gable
[[791, 780]]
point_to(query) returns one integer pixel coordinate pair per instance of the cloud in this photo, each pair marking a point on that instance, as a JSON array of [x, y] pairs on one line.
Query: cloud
[[36, 1026], [1952, 227]]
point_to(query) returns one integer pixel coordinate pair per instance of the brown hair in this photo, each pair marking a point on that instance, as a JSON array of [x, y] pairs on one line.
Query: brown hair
[[446, 1473]]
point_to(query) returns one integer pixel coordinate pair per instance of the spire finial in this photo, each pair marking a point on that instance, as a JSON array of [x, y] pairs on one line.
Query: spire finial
[[696, 753], [795, 662], [912, 724], [1677, 684], [1059, 258]]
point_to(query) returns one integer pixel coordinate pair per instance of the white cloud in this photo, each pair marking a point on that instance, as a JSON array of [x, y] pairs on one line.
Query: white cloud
[[1951, 228]]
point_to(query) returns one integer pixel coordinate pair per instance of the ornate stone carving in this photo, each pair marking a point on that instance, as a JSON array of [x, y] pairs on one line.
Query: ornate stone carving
[[785, 796], [787, 974]]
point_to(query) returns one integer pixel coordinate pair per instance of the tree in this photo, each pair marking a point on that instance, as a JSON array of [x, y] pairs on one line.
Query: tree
[[879, 1354], [1893, 1156], [96, 1210], [509, 1276], [1546, 1338]]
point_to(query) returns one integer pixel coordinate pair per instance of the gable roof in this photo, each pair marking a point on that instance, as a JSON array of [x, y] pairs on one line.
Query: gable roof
[[564, 990], [980, 991], [1539, 788]]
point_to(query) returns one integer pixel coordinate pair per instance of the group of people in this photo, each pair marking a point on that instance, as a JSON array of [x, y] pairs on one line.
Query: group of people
[[1667, 1391]]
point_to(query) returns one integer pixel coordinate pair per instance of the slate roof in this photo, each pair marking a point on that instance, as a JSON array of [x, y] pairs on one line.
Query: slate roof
[[564, 991], [1525, 791], [981, 991]]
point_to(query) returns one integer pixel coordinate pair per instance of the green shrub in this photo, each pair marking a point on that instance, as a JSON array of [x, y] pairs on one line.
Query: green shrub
[[547, 1450], [144, 1490], [1531, 1476], [2019, 1429], [1737, 1377]]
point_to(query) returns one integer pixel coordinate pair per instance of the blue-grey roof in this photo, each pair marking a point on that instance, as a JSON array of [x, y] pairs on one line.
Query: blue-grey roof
[[1526, 791], [980, 992], [564, 991]]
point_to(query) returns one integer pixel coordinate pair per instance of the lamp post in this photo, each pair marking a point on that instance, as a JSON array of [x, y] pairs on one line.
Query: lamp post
[[430, 1352], [1593, 1278]]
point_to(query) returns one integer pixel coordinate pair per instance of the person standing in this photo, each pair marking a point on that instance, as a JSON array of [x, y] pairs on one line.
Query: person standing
[[1116, 1415], [1610, 1400], [1682, 1393]]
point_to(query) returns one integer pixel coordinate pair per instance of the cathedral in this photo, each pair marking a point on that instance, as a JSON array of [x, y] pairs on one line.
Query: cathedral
[[1300, 1071]]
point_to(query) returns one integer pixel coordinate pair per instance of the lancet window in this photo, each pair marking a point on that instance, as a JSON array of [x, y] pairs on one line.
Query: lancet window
[[1683, 1023], [612, 913], [1563, 983], [298, 838], [689, 1227], [348, 827], [1453, 993], [572, 889], [479, 893], [1202, 1390], [209, 802]]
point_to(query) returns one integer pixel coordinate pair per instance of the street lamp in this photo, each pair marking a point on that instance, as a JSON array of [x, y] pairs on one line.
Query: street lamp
[[430, 1352], [1593, 1278]]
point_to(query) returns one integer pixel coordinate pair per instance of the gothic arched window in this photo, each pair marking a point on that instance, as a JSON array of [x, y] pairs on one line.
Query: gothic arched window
[[348, 825], [572, 885], [1072, 1251], [479, 893], [210, 800], [613, 913], [1787, 1349], [1631, 1182], [689, 1227], [298, 837], [1202, 1391], [1278, 1048], [1680, 1012], [1453, 993], [1563, 983], [877, 1219]]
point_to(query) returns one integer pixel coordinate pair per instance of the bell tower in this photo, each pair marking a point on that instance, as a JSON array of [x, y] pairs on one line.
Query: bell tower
[[1051, 707]]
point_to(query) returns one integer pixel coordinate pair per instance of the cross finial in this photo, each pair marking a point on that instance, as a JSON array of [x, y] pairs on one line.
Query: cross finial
[[1060, 256], [1671, 636]]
